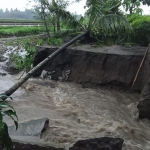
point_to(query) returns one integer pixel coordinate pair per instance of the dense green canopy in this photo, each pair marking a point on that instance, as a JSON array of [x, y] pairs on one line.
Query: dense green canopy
[[146, 2]]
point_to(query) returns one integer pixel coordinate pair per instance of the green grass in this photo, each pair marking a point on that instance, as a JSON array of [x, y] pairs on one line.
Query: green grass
[[7, 31], [3, 20]]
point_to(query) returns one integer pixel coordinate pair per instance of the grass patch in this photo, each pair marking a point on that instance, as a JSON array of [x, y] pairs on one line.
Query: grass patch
[[7, 31], [18, 21]]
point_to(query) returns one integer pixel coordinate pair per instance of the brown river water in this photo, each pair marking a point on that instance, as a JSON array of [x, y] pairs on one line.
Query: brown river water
[[79, 113]]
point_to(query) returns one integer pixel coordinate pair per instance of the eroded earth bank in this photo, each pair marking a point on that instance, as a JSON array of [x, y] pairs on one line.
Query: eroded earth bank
[[77, 113]]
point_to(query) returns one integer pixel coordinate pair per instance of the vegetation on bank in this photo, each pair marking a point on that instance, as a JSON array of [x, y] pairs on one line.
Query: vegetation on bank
[[6, 110], [106, 23], [8, 31], [141, 29], [5, 20]]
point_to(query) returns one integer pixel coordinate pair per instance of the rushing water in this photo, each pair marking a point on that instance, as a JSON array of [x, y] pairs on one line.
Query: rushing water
[[79, 113], [76, 113]]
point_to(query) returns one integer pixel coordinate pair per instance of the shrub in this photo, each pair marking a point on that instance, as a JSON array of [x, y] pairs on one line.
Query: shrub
[[20, 30], [55, 41], [141, 27], [26, 61], [6, 110]]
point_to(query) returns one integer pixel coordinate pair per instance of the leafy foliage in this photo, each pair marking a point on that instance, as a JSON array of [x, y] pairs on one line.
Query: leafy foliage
[[141, 26], [6, 31], [104, 17], [133, 6], [145, 2], [25, 62], [6, 110], [46, 10], [54, 41]]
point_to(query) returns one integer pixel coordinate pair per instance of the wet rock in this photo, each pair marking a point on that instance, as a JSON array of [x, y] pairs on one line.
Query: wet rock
[[27, 146], [56, 75], [145, 94], [3, 74], [45, 74], [144, 109], [2, 59], [43, 53], [30, 128], [10, 67], [144, 104], [104, 143]]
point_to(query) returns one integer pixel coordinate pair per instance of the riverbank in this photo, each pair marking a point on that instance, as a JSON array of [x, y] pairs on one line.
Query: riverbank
[[109, 67]]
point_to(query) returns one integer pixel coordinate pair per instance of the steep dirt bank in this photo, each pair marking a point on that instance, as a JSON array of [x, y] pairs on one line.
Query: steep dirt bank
[[77, 113], [113, 66]]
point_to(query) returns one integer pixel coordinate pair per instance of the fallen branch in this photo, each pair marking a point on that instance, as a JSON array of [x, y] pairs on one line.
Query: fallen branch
[[12, 89]]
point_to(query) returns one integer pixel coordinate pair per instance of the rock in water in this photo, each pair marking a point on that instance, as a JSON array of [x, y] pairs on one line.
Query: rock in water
[[144, 109], [146, 92], [104, 143], [144, 104], [10, 67]]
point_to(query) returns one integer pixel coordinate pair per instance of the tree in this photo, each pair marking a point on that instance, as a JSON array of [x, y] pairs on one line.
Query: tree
[[44, 11], [133, 6], [145, 2], [41, 15], [101, 14]]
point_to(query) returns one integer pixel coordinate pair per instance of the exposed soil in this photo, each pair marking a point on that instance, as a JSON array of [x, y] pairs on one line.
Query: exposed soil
[[112, 67], [113, 49]]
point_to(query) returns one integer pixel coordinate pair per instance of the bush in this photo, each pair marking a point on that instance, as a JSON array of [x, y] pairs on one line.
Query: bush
[[55, 41], [20, 30], [6, 110], [141, 27], [25, 62]]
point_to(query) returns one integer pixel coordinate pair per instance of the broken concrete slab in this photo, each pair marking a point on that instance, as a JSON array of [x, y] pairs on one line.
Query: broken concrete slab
[[30, 128]]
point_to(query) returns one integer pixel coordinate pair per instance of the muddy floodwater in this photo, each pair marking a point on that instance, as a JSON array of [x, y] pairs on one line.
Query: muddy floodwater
[[79, 113]]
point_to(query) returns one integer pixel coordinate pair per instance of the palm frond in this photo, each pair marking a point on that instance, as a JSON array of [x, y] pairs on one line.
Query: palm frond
[[69, 19], [67, 32], [113, 23]]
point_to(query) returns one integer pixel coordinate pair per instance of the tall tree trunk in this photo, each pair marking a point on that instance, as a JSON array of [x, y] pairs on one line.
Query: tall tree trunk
[[131, 10], [58, 23], [45, 23], [54, 25], [12, 89]]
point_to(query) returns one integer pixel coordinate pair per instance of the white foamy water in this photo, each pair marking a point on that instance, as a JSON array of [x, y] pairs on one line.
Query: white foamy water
[[14, 50], [76, 113]]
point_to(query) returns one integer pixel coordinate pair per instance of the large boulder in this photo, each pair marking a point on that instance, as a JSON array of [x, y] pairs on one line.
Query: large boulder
[[145, 94], [27, 146], [144, 109], [104, 143], [144, 104], [10, 67]]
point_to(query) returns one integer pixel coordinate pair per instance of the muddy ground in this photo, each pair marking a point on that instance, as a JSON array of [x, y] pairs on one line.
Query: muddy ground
[[113, 49]]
